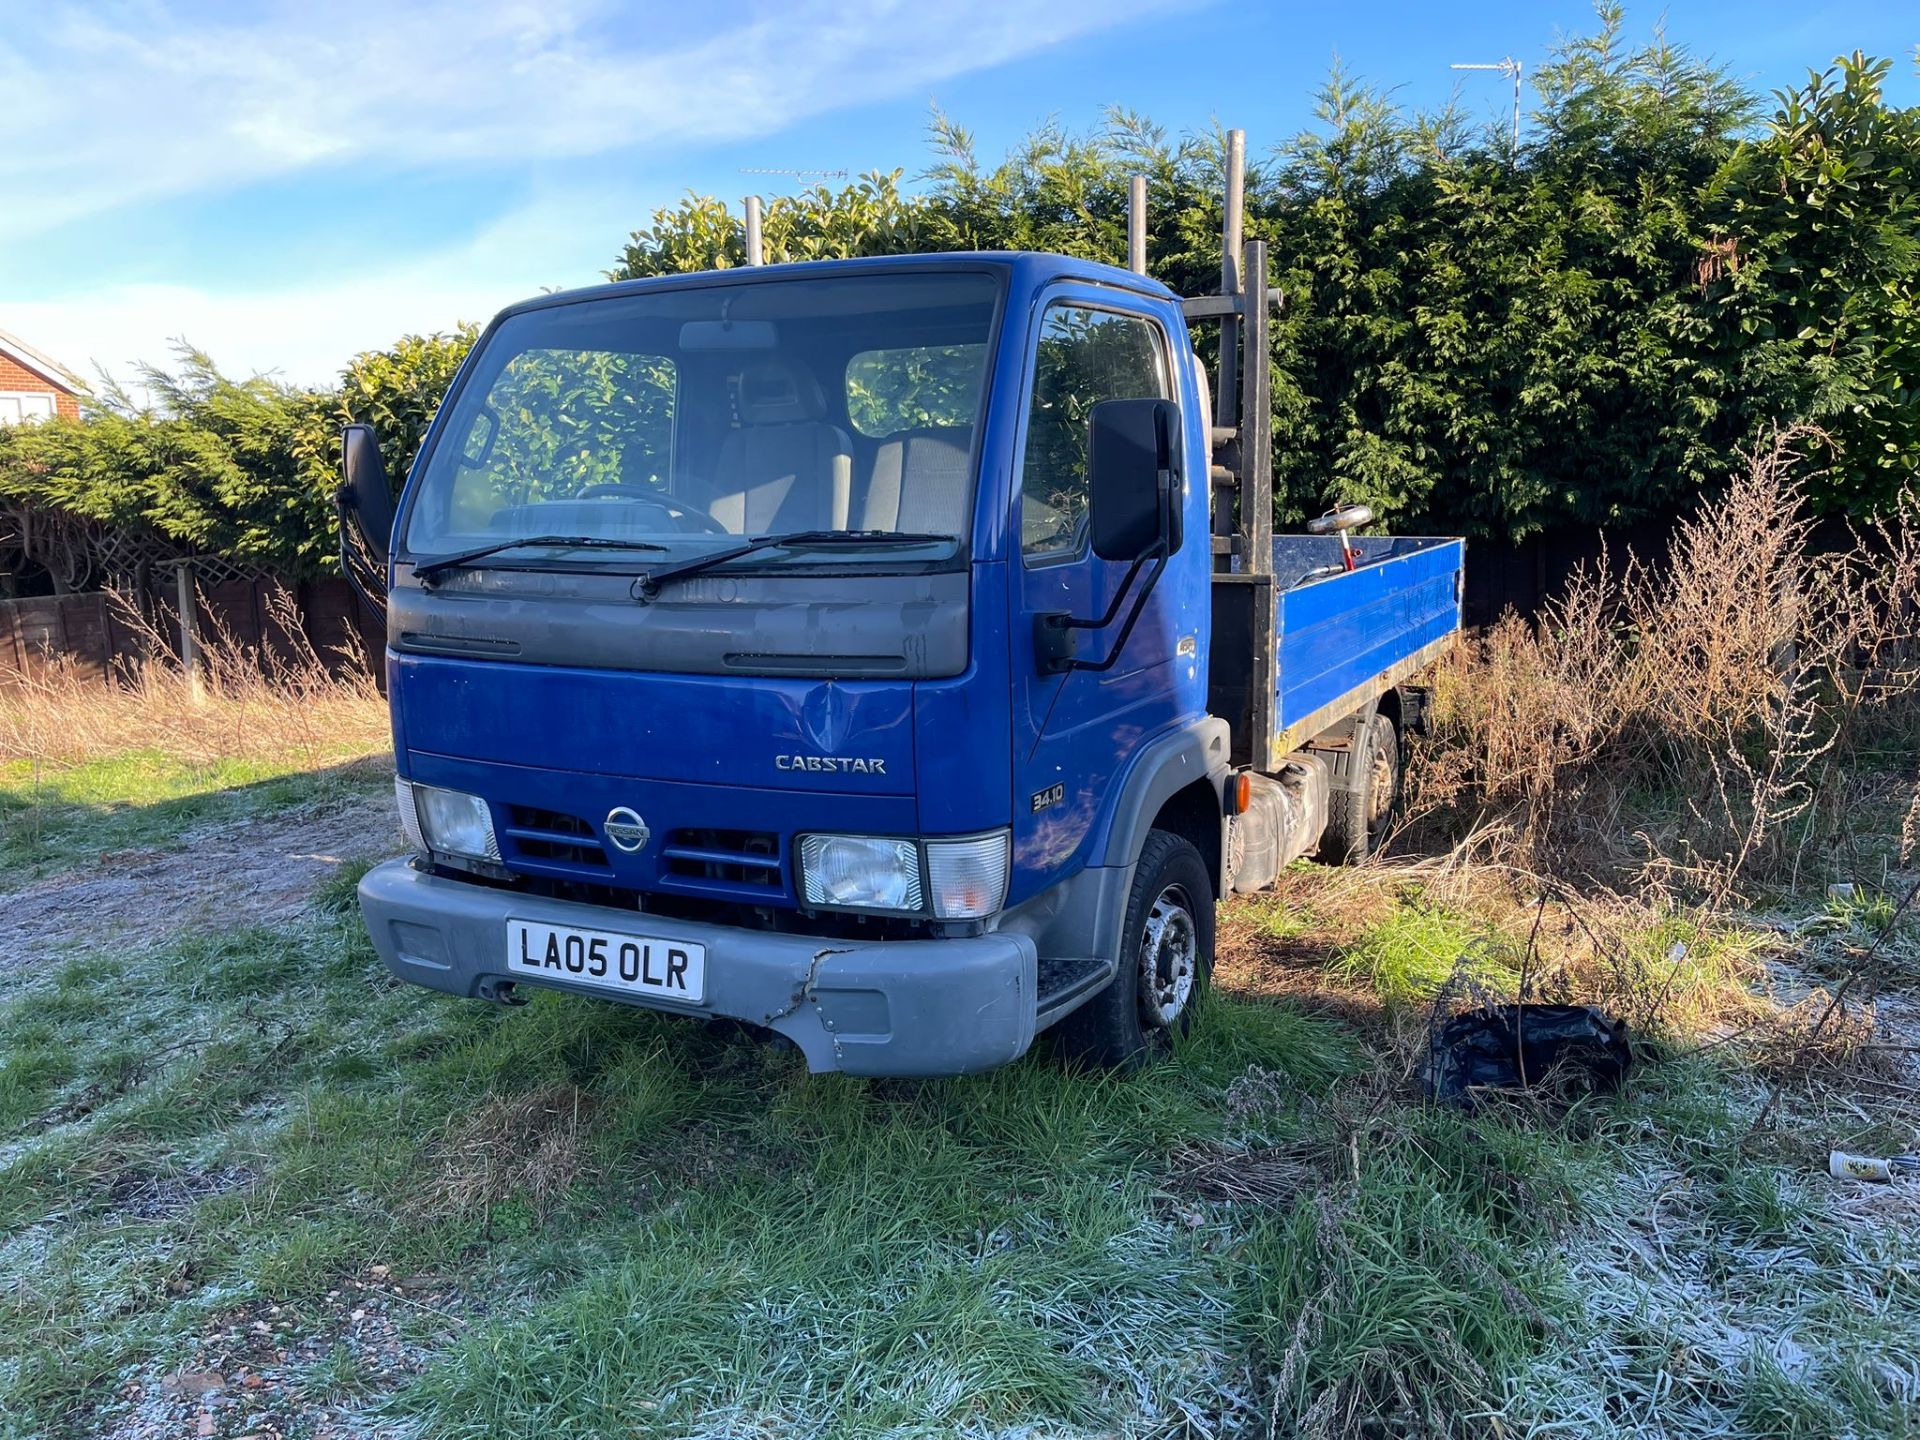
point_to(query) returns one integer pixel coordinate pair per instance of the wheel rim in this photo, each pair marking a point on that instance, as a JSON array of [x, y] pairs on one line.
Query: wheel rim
[[1380, 778], [1169, 958]]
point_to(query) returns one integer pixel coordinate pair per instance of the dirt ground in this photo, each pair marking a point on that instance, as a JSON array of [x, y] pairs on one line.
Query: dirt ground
[[253, 872]]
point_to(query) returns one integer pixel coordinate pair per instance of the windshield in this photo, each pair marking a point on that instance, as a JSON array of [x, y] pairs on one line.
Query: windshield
[[660, 427]]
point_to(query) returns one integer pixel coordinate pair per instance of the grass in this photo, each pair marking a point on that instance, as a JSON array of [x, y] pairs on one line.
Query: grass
[[1408, 956], [90, 768], [729, 1223], [251, 1151], [52, 818]]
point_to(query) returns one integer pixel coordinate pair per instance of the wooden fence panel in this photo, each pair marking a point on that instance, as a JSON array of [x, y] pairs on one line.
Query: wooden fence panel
[[83, 635], [91, 633], [50, 633]]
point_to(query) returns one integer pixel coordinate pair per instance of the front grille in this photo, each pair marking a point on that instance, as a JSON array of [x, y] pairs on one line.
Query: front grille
[[553, 837], [739, 860]]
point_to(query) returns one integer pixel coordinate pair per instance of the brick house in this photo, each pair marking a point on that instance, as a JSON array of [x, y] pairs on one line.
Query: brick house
[[33, 387]]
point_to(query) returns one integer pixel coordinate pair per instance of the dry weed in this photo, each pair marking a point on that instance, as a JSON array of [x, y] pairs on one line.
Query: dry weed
[[1220, 1174], [1814, 1037], [280, 697], [529, 1147], [1260, 1091], [1687, 727], [1694, 978]]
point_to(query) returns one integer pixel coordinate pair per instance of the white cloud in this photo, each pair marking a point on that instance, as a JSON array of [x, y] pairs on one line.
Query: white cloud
[[124, 103], [306, 331], [135, 101]]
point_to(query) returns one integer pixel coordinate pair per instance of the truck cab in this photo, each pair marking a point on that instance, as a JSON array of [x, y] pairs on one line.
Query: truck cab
[[835, 648]]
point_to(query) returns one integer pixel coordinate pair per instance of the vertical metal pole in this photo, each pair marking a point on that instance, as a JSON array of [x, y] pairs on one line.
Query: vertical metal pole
[[1226, 399], [1519, 67], [1137, 224], [1234, 226], [189, 627], [1256, 419], [1256, 507], [755, 255]]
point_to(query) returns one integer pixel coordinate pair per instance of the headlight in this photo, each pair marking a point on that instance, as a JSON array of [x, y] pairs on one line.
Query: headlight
[[861, 872], [968, 878], [453, 823], [964, 879]]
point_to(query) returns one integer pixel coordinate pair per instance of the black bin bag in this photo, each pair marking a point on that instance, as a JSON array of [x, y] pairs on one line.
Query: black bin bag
[[1565, 1048]]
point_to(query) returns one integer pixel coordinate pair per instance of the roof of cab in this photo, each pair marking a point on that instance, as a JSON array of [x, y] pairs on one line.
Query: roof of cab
[[1031, 267]]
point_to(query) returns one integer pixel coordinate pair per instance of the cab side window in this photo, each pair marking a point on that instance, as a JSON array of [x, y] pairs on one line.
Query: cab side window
[[1085, 356]]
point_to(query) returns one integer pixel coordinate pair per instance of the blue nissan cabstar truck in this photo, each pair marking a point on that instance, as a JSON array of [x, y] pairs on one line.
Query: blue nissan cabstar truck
[[894, 654]]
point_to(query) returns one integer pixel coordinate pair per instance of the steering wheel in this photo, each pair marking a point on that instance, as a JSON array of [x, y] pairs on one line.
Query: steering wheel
[[1341, 518], [647, 496]]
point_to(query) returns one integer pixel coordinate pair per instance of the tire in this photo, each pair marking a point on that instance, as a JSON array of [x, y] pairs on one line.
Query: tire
[[1168, 928], [1358, 820]]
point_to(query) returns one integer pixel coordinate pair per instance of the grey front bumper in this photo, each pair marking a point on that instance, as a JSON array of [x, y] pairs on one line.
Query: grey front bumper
[[902, 1007]]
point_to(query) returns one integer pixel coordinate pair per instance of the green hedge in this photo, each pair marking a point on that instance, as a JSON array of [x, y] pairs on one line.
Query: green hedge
[[1585, 330], [242, 468]]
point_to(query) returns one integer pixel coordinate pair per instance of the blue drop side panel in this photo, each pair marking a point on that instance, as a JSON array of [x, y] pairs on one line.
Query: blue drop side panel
[[1339, 634]]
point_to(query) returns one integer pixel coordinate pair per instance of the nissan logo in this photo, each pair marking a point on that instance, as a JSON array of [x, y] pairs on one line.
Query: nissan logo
[[626, 829]]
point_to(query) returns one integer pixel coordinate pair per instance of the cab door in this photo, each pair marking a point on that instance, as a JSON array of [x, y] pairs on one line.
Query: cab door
[[1073, 731]]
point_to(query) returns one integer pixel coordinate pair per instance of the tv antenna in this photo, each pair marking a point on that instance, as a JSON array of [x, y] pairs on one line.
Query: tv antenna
[[840, 174], [1513, 69]]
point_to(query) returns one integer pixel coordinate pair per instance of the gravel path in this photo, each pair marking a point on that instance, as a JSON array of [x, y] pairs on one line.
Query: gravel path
[[248, 872]]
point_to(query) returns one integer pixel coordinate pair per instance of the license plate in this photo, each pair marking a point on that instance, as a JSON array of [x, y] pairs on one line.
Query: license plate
[[635, 964]]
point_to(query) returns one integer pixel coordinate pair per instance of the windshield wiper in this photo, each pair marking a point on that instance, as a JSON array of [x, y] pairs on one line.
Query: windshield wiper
[[648, 585], [433, 567]]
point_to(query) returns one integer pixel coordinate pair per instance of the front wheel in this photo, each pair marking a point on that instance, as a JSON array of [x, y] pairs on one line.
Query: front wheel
[[1166, 959]]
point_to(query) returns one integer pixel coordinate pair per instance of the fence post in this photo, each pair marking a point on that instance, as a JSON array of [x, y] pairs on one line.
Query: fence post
[[189, 629], [10, 612]]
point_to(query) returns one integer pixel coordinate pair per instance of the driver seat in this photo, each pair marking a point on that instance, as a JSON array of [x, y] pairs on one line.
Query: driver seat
[[785, 467]]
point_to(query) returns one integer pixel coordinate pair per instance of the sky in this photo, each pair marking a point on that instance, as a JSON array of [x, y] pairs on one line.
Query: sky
[[285, 183]]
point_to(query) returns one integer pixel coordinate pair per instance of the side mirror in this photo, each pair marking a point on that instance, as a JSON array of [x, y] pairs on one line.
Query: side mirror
[[365, 490], [1133, 479]]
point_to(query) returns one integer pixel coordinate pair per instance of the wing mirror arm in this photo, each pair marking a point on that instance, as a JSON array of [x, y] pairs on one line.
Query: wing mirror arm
[[365, 583], [1134, 503], [1054, 641]]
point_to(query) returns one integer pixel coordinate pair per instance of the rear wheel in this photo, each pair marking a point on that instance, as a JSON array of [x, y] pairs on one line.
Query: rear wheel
[[1166, 957], [1358, 819]]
